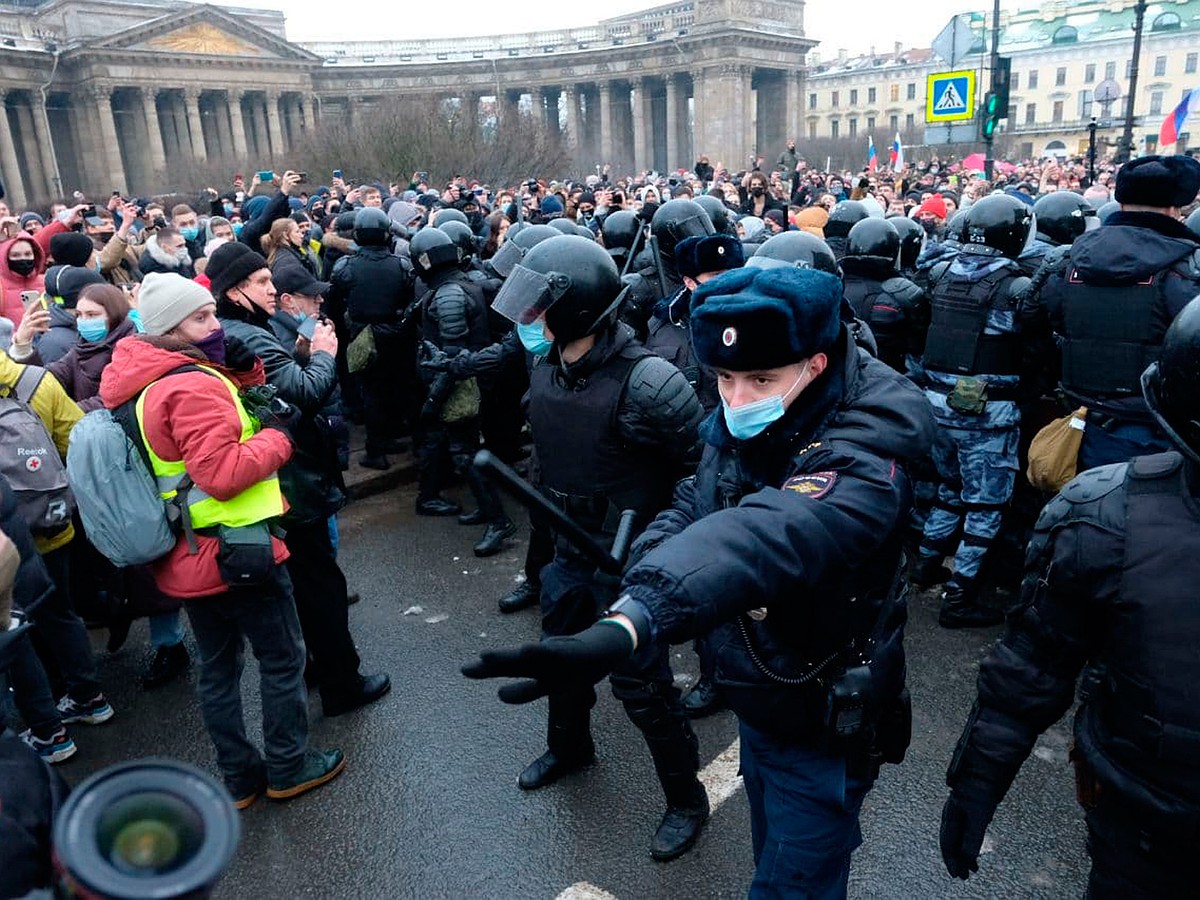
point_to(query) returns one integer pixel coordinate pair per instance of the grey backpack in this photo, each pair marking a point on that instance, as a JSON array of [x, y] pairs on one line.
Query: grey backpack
[[29, 459]]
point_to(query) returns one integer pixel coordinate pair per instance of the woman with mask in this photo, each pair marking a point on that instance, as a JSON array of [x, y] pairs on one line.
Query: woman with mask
[[22, 266], [757, 199]]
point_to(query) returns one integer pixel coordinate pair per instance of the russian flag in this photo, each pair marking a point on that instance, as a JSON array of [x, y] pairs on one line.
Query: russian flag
[[872, 162], [896, 157], [1173, 124]]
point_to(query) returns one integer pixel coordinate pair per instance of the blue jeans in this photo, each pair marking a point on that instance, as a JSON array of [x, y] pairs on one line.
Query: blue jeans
[[804, 807], [266, 617], [166, 629]]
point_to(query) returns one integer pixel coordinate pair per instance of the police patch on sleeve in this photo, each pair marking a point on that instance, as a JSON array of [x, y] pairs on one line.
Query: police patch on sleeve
[[813, 485]]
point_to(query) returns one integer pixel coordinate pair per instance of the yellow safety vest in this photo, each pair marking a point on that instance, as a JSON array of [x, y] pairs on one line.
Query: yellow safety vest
[[257, 503]]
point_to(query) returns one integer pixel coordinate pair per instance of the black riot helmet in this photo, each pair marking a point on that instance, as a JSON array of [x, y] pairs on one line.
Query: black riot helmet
[[956, 228], [717, 211], [999, 225], [620, 231], [561, 225], [450, 214], [516, 246], [1193, 223], [795, 248], [1171, 386], [570, 280], [1107, 210], [874, 237], [372, 227], [845, 216], [676, 220], [584, 232], [432, 250], [1063, 216], [462, 235], [912, 240]]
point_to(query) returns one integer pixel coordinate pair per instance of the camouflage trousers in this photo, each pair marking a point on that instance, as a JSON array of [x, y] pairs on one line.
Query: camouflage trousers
[[977, 469]]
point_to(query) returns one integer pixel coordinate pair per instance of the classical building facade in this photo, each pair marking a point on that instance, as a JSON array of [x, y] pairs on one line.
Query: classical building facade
[[116, 95], [1061, 52]]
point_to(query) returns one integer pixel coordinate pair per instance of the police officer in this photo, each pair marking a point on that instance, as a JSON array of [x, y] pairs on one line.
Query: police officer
[[912, 244], [1109, 589], [971, 372], [374, 287], [697, 259], [614, 426], [1112, 303], [842, 218], [896, 309], [781, 554], [1061, 217], [453, 318]]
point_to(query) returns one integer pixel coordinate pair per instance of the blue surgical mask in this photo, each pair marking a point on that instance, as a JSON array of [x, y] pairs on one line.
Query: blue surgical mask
[[533, 337], [752, 419], [189, 234], [93, 330], [136, 315], [237, 229]]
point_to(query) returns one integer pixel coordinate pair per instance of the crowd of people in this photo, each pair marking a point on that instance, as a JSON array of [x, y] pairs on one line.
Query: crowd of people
[[791, 382]]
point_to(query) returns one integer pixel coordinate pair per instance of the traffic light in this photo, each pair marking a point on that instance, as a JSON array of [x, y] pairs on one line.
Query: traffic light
[[993, 112]]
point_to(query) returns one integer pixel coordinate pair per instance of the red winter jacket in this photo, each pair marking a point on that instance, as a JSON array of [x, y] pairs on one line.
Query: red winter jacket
[[190, 416], [11, 284]]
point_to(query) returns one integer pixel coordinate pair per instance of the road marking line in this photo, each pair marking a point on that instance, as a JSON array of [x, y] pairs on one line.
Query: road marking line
[[583, 891]]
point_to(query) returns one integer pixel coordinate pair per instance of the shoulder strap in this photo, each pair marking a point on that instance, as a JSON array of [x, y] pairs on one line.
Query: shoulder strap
[[28, 382]]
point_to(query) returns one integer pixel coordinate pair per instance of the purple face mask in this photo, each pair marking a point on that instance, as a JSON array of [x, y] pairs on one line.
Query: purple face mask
[[213, 346]]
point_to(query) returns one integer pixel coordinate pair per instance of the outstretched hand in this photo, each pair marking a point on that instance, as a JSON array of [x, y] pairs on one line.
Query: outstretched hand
[[582, 658]]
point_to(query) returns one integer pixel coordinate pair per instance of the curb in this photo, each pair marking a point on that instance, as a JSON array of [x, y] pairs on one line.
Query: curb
[[362, 482]]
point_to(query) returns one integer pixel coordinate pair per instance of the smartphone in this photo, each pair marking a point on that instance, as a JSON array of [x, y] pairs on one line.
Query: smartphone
[[303, 176], [337, 173], [266, 176], [28, 298]]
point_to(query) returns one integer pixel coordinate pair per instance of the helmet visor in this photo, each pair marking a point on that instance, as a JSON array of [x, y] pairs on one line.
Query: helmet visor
[[506, 257], [527, 294]]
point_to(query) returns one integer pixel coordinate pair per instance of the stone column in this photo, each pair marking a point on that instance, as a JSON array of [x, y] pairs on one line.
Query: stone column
[[34, 180], [8, 160], [795, 105], [114, 171], [314, 120], [291, 123], [699, 132], [41, 128], [637, 118], [273, 125], [674, 157], [191, 97], [606, 123], [154, 142], [537, 100], [351, 112], [237, 125], [572, 135]]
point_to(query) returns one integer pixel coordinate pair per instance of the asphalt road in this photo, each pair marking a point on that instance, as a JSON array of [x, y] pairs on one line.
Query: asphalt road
[[429, 807]]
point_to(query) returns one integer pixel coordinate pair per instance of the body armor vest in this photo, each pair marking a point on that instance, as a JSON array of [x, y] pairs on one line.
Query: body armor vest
[[1143, 733], [589, 470], [956, 343], [1112, 333]]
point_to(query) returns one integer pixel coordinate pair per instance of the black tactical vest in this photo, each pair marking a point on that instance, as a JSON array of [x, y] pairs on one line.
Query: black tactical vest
[[1143, 732], [956, 343], [586, 466], [862, 294], [1112, 333]]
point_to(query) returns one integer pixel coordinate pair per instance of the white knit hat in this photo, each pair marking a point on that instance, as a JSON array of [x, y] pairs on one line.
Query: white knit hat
[[166, 299]]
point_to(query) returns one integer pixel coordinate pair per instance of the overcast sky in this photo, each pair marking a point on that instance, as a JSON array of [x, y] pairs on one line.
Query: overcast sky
[[855, 25]]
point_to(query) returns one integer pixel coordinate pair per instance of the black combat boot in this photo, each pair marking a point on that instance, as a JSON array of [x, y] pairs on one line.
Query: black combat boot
[[568, 741], [961, 608], [494, 537], [702, 700], [523, 596], [375, 461], [928, 571]]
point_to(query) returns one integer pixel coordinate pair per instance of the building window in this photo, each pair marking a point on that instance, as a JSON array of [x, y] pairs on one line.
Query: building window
[[812, 101], [1189, 64], [1033, 79], [1060, 77], [870, 95], [1110, 71], [1156, 98], [1014, 81], [910, 121], [1011, 112], [812, 131], [871, 123], [1089, 73], [1085, 104], [1030, 113], [833, 99], [833, 129], [1168, 21], [911, 94], [854, 96], [1056, 116], [1066, 34], [1160, 66], [893, 123], [894, 93], [853, 129]]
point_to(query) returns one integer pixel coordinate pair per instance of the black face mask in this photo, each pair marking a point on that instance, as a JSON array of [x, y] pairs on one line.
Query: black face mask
[[930, 225], [475, 220], [758, 190], [23, 267]]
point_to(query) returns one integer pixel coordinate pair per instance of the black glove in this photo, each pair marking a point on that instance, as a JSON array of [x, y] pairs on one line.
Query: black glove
[[238, 357], [582, 658], [439, 392], [280, 415], [964, 822]]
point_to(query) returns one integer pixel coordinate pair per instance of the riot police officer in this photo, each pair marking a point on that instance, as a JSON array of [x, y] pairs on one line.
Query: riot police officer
[[1110, 306], [781, 554], [614, 426], [971, 371], [912, 244], [453, 318], [842, 218], [1061, 217], [374, 287], [718, 213], [896, 309], [1109, 585]]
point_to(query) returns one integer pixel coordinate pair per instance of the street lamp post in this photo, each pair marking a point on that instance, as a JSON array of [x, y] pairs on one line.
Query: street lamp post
[[1125, 146]]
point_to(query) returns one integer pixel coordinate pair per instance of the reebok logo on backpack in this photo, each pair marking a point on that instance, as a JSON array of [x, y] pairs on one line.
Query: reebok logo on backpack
[[30, 461]]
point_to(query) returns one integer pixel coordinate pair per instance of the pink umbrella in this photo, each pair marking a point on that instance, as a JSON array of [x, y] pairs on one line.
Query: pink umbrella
[[975, 161]]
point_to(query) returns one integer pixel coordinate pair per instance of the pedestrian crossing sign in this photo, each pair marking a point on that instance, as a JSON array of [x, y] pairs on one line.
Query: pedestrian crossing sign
[[950, 97]]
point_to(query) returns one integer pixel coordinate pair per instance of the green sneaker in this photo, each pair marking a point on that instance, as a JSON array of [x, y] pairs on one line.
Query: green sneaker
[[318, 768]]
